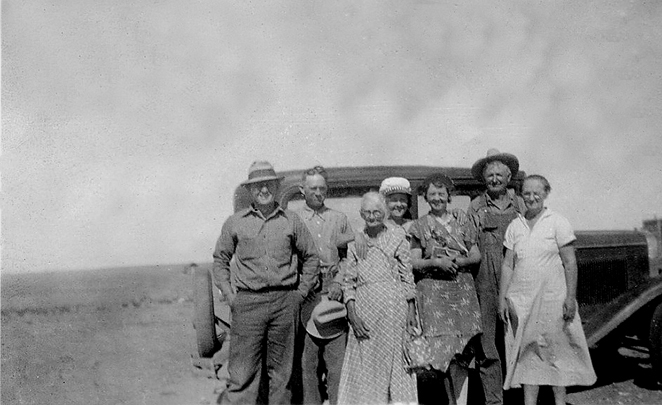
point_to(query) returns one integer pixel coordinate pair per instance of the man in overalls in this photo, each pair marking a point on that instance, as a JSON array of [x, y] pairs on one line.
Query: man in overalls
[[492, 211]]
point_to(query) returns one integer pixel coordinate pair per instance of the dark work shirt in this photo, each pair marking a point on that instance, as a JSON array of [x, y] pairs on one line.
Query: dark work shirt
[[263, 249]]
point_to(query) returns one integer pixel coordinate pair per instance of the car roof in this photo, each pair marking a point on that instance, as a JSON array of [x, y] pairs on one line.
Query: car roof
[[357, 180]]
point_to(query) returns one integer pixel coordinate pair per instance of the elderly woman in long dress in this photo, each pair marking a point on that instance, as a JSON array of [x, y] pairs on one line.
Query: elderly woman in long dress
[[443, 250], [379, 295], [545, 343]]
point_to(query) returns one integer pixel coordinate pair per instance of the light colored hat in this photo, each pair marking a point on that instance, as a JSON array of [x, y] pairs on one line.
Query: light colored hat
[[260, 170], [394, 185], [328, 319], [493, 155]]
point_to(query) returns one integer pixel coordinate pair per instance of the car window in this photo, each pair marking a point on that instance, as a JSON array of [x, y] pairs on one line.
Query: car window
[[458, 201], [350, 206]]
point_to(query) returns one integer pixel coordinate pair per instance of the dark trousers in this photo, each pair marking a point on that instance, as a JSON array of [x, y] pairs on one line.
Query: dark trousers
[[487, 356], [263, 323], [322, 356]]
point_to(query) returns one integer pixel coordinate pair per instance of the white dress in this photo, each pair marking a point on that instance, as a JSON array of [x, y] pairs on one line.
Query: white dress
[[541, 348]]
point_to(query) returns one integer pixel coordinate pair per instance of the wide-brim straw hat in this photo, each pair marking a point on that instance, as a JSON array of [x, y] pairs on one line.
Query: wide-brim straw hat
[[393, 185], [494, 155], [261, 170], [328, 319]]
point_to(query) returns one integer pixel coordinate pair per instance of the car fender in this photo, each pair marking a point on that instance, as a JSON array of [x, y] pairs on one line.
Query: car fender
[[621, 309]]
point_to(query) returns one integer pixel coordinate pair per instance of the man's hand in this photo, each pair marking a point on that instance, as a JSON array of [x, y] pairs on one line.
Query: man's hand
[[569, 309], [361, 244], [335, 292], [230, 300], [229, 297], [300, 298]]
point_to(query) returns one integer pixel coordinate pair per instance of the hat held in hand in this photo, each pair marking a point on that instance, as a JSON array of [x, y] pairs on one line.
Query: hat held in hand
[[328, 320]]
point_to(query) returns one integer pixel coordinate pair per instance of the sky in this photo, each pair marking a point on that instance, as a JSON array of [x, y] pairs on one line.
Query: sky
[[126, 125]]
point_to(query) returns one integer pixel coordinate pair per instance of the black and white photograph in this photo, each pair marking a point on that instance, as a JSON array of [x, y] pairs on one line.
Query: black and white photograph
[[331, 202]]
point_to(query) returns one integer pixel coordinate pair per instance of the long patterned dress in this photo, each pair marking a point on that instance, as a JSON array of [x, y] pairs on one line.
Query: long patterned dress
[[541, 348], [448, 306], [373, 371]]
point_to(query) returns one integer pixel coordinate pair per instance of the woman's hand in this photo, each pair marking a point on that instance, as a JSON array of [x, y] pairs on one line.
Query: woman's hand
[[569, 309], [446, 264], [503, 310], [358, 326], [412, 319], [459, 215]]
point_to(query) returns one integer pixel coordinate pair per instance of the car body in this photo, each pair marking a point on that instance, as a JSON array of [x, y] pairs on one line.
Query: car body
[[619, 272]]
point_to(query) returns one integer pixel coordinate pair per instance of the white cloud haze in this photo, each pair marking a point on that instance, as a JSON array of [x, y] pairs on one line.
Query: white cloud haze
[[126, 125]]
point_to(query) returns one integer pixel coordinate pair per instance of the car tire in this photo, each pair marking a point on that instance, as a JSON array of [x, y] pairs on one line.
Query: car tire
[[655, 340], [204, 317]]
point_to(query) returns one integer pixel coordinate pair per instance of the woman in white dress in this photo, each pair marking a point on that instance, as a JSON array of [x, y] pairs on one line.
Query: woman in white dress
[[545, 343]]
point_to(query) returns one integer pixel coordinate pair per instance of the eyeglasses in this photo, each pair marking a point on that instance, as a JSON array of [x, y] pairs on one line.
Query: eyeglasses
[[377, 214], [535, 196]]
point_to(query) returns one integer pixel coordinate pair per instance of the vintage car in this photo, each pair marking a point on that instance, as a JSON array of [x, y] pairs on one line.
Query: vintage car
[[620, 272]]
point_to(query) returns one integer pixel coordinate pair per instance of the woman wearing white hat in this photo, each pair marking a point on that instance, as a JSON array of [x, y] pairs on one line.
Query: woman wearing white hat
[[397, 192]]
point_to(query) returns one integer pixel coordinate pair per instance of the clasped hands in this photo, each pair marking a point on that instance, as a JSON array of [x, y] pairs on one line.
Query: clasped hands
[[446, 264], [361, 330]]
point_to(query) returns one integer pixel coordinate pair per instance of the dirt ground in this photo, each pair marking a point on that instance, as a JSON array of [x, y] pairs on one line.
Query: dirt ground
[[125, 336]]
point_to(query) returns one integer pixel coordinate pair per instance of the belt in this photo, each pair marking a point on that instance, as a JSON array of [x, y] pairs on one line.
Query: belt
[[268, 289]]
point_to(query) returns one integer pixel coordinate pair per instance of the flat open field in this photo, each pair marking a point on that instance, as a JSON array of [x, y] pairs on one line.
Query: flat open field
[[125, 336]]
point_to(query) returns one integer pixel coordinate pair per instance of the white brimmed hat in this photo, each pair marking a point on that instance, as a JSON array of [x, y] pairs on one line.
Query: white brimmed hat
[[328, 319], [394, 185]]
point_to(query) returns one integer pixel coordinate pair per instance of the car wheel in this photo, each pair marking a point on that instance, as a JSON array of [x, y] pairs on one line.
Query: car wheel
[[204, 318], [655, 340]]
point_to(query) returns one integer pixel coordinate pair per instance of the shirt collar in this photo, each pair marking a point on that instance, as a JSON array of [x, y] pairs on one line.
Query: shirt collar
[[254, 211], [545, 213], [510, 196], [309, 213]]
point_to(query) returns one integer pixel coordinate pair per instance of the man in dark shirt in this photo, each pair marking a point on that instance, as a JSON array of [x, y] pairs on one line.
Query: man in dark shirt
[[491, 212], [264, 290]]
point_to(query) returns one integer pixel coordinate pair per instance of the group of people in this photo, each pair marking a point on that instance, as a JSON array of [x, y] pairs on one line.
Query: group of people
[[398, 311]]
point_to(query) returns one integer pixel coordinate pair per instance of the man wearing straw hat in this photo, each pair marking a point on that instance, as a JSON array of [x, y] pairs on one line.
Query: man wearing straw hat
[[323, 351], [266, 290], [491, 213]]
